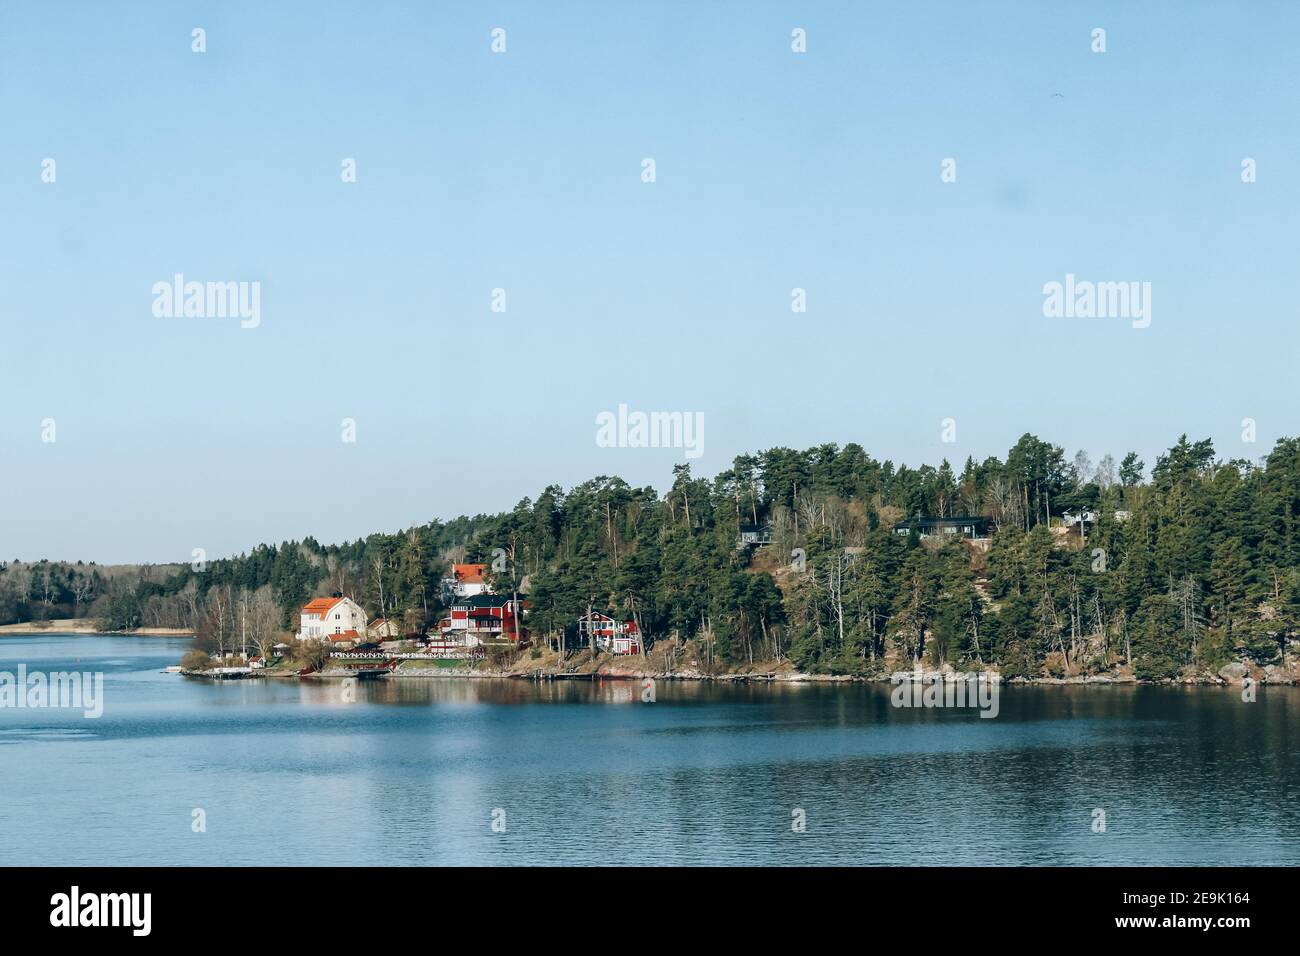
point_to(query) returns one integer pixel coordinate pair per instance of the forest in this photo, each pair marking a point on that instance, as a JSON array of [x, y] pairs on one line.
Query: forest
[[1181, 571]]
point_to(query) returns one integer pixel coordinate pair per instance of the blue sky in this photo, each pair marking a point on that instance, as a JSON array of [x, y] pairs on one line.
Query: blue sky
[[522, 170]]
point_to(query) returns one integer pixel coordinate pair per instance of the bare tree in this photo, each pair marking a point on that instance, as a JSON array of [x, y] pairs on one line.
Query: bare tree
[[1105, 476], [1002, 499], [377, 566], [263, 621], [219, 609], [189, 596], [1186, 595], [82, 587], [47, 590], [245, 607], [835, 591], [1082, 466]]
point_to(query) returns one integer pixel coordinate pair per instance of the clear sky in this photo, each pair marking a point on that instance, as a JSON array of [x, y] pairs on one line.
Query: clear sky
[[523, 170]]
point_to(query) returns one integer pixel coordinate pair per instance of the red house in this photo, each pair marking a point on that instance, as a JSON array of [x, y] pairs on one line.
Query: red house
[[617, 637], [485, 619]]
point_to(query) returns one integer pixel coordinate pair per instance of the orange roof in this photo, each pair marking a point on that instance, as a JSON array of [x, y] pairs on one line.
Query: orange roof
[[320, 606], [469, 573], [345, 636]]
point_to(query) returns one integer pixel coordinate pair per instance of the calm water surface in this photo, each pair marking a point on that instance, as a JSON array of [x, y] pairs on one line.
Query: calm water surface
[[287, 773]]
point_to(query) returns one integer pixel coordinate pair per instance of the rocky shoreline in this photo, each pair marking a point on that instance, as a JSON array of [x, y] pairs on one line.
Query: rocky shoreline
[[669, 661], [1231, 674]]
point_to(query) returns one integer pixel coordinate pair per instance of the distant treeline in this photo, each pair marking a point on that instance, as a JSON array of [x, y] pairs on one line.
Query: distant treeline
[[1203, 569]]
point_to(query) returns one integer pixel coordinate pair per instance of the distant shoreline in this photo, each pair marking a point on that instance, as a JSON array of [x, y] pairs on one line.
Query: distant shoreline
[[640, 669], [786, 678], [85, 627]]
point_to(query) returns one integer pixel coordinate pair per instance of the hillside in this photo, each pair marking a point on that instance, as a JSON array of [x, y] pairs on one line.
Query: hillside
[[1173, 574]]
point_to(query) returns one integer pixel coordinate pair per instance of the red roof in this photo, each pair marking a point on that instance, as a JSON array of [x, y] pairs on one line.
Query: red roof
[[469, 573], [320, 606], [345, 636]]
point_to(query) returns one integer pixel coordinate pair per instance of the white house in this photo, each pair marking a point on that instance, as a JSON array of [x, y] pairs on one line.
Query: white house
[[1071, 519], [616, 637], [465, 580], [321, 617]]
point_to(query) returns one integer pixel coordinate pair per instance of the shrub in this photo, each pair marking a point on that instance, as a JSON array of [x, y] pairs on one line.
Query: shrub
[[197, 661]]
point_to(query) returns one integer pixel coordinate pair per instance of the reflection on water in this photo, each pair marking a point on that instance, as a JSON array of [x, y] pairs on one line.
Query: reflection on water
[[410, 771], [424, 691]]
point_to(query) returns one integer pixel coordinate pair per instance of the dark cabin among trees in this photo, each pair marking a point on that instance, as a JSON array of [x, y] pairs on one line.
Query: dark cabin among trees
[[964, 526]]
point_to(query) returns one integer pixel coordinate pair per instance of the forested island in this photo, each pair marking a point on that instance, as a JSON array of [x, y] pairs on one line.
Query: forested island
[[1084, 570]]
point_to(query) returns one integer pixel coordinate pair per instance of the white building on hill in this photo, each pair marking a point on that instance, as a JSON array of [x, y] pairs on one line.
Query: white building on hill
[[321, 617]]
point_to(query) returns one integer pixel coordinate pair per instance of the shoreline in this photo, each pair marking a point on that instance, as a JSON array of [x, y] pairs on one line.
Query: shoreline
[[795, 678], [581, 669], [82, 627], [766, 677]]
